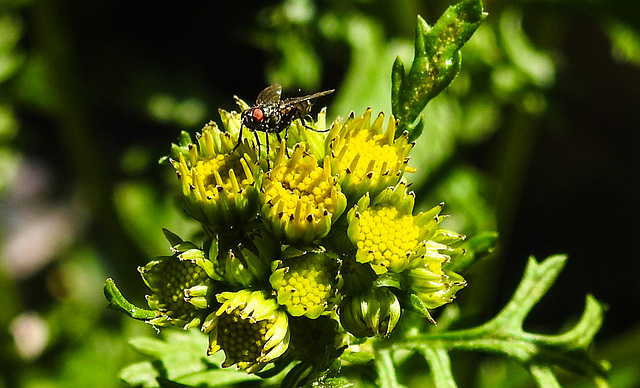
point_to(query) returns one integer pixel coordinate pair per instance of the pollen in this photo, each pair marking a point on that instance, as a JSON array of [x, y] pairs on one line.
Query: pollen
[[386, 239]]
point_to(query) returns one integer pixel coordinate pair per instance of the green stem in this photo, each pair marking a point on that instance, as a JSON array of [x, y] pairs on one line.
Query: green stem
[[544, 377], [386, 370], [438, 359]]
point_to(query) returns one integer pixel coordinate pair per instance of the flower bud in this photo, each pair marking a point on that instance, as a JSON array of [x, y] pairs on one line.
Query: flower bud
[[375, 311], [305, 284], [250, 329], [241, 260], [180, 285], [366, 159], [433, 285], [300, 199], [220, 187]]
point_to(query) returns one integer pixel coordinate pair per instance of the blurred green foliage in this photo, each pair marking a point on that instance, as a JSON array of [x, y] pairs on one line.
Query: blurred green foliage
[[536, 136]]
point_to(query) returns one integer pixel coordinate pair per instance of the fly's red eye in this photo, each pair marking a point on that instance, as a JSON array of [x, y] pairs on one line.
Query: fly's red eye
[[257, 114]]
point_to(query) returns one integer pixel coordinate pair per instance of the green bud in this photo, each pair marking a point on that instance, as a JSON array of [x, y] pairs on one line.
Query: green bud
[[241, 260], [375, 311], [180, 286], [433, 285]]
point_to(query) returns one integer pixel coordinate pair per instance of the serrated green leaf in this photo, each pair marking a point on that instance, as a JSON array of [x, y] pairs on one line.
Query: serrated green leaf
[[537, 280], [141, 373], [180, 354], [504, 333], [435, 64]]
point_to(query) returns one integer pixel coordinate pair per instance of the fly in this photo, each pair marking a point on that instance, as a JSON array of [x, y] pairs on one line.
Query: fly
[[271, 114]]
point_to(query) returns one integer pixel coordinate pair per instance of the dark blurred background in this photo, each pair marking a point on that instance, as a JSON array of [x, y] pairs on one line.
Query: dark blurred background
[[537, 138]]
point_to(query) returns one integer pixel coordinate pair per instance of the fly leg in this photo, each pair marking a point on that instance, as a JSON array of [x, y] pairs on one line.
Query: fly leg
[[239, 138], [258, 156], [304, 119]]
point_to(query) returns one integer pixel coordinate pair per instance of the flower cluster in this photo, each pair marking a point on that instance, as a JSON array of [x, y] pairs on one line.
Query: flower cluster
[[305, 245]]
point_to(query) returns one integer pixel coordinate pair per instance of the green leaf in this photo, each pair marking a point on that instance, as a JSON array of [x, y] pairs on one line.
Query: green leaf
[[141, 373], [173, 238], [218, 378], [181, 360], [435, 64], [118, 302], [537, 280], [539, 352], [182, 353], [412, 302], [475, 249]]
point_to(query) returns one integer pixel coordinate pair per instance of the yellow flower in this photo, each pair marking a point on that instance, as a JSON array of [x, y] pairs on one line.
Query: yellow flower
[[220, 187], [385, 233], [300, 199], [249, 328], [365, 159], [305, 284]]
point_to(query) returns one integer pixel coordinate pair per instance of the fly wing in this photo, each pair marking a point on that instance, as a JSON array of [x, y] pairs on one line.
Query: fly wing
[[297, 100], [269, 94], [303, 104]]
